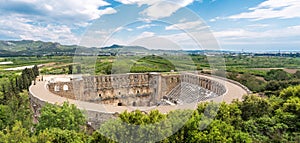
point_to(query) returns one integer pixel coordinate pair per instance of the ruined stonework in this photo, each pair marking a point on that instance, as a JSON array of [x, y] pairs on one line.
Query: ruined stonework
[[116, 91], [140, 89], [64, 89]]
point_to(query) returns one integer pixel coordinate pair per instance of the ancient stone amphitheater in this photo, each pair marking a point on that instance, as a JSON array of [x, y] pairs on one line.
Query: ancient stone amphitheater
[[103, 97]]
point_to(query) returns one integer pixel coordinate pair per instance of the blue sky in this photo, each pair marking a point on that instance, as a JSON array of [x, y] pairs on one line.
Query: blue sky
[[249, 25]]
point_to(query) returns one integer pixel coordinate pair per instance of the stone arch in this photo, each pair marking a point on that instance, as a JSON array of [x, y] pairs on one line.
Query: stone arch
[[65, 87], [134, 104], [56, 88]]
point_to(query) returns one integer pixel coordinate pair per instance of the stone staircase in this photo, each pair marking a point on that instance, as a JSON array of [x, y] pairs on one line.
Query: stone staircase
[[188, 93]]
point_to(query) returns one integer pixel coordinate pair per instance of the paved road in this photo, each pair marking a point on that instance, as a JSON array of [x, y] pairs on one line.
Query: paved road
[[41, 92]]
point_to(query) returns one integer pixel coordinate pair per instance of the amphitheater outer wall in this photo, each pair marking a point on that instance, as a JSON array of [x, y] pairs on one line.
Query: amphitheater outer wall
[[96, 117], [143, 89]]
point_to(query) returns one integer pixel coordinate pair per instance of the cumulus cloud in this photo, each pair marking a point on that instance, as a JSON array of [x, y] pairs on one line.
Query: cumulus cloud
[[185, 25], [145, 26], [19, 28], [159, 8], [78, 10], [145, 34], [271, 9], [123, 28], [163, 9], [139, 2], [49, 20], [285, 35], [274, 33]]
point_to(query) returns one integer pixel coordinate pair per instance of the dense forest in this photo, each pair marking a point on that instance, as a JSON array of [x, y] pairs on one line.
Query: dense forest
[[255, 119]]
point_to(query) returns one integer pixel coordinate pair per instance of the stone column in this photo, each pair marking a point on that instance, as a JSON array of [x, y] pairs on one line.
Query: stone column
[[156, 85]]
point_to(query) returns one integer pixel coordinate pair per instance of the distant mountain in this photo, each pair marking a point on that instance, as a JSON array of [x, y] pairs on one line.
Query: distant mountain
[[29, 47], [40, 48], [120, 48], [115, 46]]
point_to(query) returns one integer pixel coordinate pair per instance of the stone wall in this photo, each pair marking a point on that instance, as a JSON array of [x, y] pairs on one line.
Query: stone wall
[[127, 89], [154, 85], [141, 89], [64, 89], [169, 82], [94, 118], [206, 83]]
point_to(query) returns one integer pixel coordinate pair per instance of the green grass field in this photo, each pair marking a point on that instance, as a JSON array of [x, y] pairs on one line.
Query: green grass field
[[103, 64], [257, 66]]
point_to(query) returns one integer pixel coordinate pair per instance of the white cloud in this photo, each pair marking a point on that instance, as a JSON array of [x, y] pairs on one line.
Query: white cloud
[[128, 1], [272, 9], [163, 9], [258, 25], [65, 11], [159, 8], [19, 29], [156, 43], [145, 26], [145, 34], [234, 33], [183, 20], [241, 36], [185, 25], [188, 41], [178, 37], [139, 2], [107, 10], [99, 39], [122, 28], [274, 33], [49, 20], [215, 19]]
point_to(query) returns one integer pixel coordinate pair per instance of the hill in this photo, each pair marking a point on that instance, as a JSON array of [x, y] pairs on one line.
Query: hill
[[40, 48], [29, 47]]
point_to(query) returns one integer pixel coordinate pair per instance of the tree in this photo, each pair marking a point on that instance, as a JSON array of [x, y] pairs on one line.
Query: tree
[[63, 70], [19, 109], [4, 116], [99, 138], [3, 95], [17, 86], [297, 74], [219, 131], [65, 117], [265, 129], [254, 107], [134, 127], [13, 87], [78, 68], [70, 67], [251, 82], [289, 114], [272, 86], [293, 91], [61, 136], [35, 71], [277, 74], [231, 114], [17, 134]]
